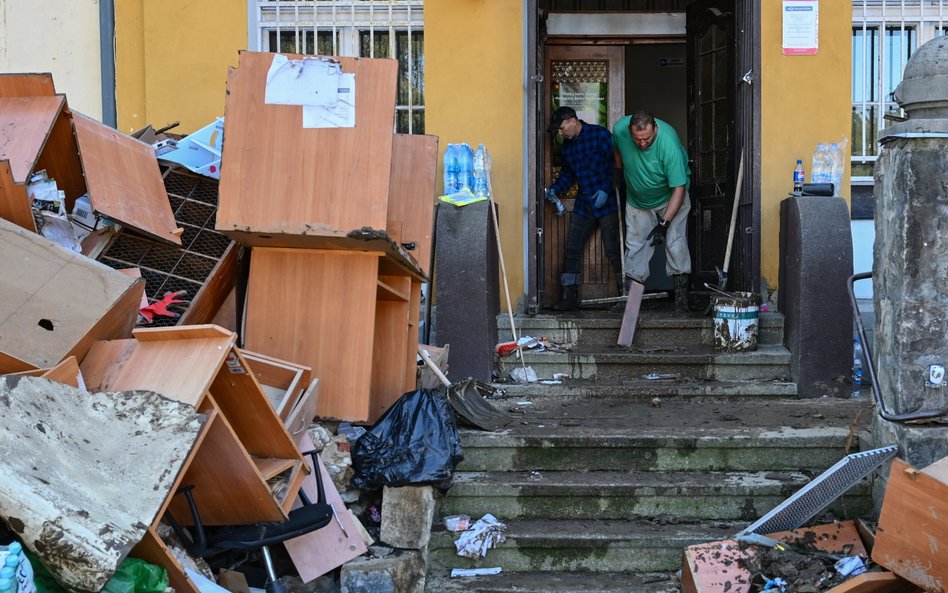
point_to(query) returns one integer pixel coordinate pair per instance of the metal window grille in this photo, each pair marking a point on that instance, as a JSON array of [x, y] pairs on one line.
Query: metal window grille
[[885, 34], [364, 28]]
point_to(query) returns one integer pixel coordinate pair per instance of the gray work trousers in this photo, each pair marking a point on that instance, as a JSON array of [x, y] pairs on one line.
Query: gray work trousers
[[638, 250]]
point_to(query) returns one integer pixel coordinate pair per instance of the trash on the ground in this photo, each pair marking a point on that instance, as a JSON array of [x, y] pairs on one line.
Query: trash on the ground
[[550, 382], [475, 572], [468, 399], [660, 376], [656, 402], [457, 523], [851, 565], [524, 375], [486, 533], [777, 583], [200, 151], [524, 403], [414, 442], [530, 343]]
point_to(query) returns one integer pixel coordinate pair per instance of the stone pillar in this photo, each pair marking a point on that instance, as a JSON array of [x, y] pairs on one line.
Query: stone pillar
[[816, 261], [467, 294], [910, 279]]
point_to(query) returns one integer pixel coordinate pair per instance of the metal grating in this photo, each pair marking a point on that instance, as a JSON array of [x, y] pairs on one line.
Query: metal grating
[[806, 502], [168, 268]]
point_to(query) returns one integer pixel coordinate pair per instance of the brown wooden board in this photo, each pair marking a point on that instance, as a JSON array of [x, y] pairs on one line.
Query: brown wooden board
[[152, 549], [14, 202], [412, 338], [317, 308], [26, 85], [25, 124], [388, 355], [277, 177], [123, 179], [912, 535], [60, 158], [411, 197], [44, 316], [66, 372], [303, 412], [874, 582]]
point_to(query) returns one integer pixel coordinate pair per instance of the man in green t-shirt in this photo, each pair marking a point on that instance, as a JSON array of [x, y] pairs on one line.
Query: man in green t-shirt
[[657, 177]]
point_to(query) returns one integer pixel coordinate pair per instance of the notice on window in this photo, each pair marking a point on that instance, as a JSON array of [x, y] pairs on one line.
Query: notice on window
[[801, 27]]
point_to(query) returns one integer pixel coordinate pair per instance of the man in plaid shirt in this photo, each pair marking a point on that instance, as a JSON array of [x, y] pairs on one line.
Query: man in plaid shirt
[[588, 161]]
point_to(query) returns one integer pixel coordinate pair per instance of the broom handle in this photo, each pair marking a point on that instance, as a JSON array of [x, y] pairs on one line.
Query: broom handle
[[737, 201], [425, 356]]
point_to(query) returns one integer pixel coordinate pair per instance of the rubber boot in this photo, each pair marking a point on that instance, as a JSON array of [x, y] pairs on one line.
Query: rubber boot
[[626, 284], [681, 292], [620, 283], [569, 298]]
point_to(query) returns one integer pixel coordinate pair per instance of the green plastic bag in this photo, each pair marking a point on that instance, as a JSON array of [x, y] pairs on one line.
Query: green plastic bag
[[137, 576]]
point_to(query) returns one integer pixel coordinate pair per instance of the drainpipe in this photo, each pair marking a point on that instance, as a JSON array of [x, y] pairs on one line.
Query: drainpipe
[[107, 58]]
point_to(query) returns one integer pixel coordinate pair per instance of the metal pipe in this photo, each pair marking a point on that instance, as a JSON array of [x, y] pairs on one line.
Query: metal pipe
[[876, 391], [107, 61]]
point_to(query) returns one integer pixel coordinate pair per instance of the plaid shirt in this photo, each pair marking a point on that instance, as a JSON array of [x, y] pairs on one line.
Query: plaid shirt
[[588, 160]]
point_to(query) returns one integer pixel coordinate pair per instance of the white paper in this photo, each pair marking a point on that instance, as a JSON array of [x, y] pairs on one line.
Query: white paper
[[801, 27], [310, 81], [204, 584], [341, 114]]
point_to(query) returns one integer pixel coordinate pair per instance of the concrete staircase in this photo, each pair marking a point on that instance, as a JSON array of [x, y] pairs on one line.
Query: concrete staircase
[[604, 478]]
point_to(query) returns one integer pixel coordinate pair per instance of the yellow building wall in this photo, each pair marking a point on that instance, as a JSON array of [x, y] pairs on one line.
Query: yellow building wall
[[474, 94], [172, 58], [57, 37], [804, 100]]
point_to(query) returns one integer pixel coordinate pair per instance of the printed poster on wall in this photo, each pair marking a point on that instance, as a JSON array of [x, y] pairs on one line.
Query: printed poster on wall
[[801, 27]]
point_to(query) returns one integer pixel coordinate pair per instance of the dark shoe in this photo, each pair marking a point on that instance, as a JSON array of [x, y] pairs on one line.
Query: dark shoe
[[681, 292], [620, 283], [569, 298]]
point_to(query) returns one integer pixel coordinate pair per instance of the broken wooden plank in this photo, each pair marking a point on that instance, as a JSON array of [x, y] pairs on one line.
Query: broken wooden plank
[[90, 473], [124, 180], [66, 372], [324, 181], [411, 198], [913, 526], [27, 123], [26, 85], [43, 317], [14, 201], [874, 582]]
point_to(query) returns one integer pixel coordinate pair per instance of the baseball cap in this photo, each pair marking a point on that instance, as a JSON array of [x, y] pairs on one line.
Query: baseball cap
[[558, 116]]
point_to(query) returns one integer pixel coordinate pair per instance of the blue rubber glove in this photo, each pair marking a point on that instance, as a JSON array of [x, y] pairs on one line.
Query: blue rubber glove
[[558, 206], [599, 199]]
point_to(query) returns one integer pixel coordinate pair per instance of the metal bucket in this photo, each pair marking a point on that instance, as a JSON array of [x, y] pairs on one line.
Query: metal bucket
[[736, 321]]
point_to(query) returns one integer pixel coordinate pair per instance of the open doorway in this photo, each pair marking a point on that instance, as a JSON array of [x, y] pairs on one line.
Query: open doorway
[[681, 66]]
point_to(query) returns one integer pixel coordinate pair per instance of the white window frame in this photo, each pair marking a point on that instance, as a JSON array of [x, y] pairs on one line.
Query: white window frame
[[345, 19], [927, 18]]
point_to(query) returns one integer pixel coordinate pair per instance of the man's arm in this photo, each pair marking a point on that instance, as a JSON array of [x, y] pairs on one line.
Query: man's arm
[[674, 203]]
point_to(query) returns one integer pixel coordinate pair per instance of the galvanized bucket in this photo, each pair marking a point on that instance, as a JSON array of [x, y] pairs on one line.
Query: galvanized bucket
[[736, 321]]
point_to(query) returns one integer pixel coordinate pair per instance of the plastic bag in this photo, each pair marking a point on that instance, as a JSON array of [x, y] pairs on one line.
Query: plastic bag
[[137, 576], [828, 163], [415, 442]]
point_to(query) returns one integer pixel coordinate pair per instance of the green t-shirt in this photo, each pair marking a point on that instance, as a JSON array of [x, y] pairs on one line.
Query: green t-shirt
[[651, 174]]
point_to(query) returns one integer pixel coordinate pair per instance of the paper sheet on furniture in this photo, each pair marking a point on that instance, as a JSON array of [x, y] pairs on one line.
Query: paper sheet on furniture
[[310, 81], [339, 115]]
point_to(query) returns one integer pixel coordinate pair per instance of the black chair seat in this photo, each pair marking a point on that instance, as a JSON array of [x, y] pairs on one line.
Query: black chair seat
[[301, 521]]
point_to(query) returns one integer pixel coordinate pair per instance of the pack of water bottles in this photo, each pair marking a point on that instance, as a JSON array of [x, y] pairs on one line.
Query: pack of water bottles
[[828, 162], [16, 576], [466, 174]]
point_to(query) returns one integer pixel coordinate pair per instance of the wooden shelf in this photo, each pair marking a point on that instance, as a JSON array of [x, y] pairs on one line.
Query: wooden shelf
[[388, 293], [269, 467]]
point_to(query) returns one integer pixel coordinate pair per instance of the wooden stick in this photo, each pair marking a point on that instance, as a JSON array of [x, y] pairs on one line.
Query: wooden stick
[[621, 225], [426, 356], [737, 201]]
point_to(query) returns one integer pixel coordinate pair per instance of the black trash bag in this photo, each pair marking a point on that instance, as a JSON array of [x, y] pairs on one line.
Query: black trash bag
[[415, 442]]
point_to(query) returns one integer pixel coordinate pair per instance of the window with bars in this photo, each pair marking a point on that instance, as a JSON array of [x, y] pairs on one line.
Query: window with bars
[[364, 28], [885, 34]]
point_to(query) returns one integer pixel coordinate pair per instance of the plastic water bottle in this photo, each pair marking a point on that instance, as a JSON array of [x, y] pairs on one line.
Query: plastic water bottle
[[17, 561], [481, 171], [452, 168], [836, 167], [822, 171], [798, 177], [466, 172], [7, 585], [857, 362]]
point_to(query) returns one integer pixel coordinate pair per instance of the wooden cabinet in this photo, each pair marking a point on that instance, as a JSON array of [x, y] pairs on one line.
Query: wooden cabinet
[[245, 467]]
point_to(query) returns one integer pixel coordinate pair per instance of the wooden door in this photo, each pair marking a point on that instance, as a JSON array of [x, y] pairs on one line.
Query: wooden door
[[581, 67], [711, 133]]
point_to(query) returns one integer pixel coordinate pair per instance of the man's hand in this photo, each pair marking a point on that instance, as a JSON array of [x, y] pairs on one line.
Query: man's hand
[[657, 236], [599, 199], [558, 207]]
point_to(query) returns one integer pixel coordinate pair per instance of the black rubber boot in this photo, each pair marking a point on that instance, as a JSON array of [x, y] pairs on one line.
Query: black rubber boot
[[681, 292], [620, 283], [569, 298]]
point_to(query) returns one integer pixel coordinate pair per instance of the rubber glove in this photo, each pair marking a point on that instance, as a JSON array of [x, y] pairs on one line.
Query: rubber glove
[[558, 206], [599, 199], [657, 236]]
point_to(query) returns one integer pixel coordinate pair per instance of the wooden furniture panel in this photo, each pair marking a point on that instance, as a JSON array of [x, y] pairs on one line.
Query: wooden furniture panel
[[317, 308], [26, 85], [43, 317], [282, 381], [124, 180], [303, 412], [152, 549], [388, 355], [66, 372], [60, 158], [14, 201], [411, 197], [27, 122], [412, 339], [874, 582], [209, 299], [281, 179], [913, 526]]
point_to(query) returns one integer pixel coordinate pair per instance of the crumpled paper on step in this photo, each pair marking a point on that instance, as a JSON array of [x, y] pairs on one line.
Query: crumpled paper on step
[[486, 533]]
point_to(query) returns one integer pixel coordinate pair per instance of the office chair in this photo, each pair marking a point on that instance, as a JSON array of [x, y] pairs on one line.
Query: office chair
[[305, 519]]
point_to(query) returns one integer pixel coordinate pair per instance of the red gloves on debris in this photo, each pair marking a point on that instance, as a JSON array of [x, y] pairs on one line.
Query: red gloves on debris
[[161, 307]]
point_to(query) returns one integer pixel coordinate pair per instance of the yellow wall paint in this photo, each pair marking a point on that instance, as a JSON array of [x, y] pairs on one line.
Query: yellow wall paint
[[474, 94], [57, 37], [804, 100], [172, 59]]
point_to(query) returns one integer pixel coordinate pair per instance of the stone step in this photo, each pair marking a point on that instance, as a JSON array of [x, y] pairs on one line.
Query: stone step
[[641, 388], [654, 328], [612, 363], [555, 582], [583, 546], [582, 495]]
